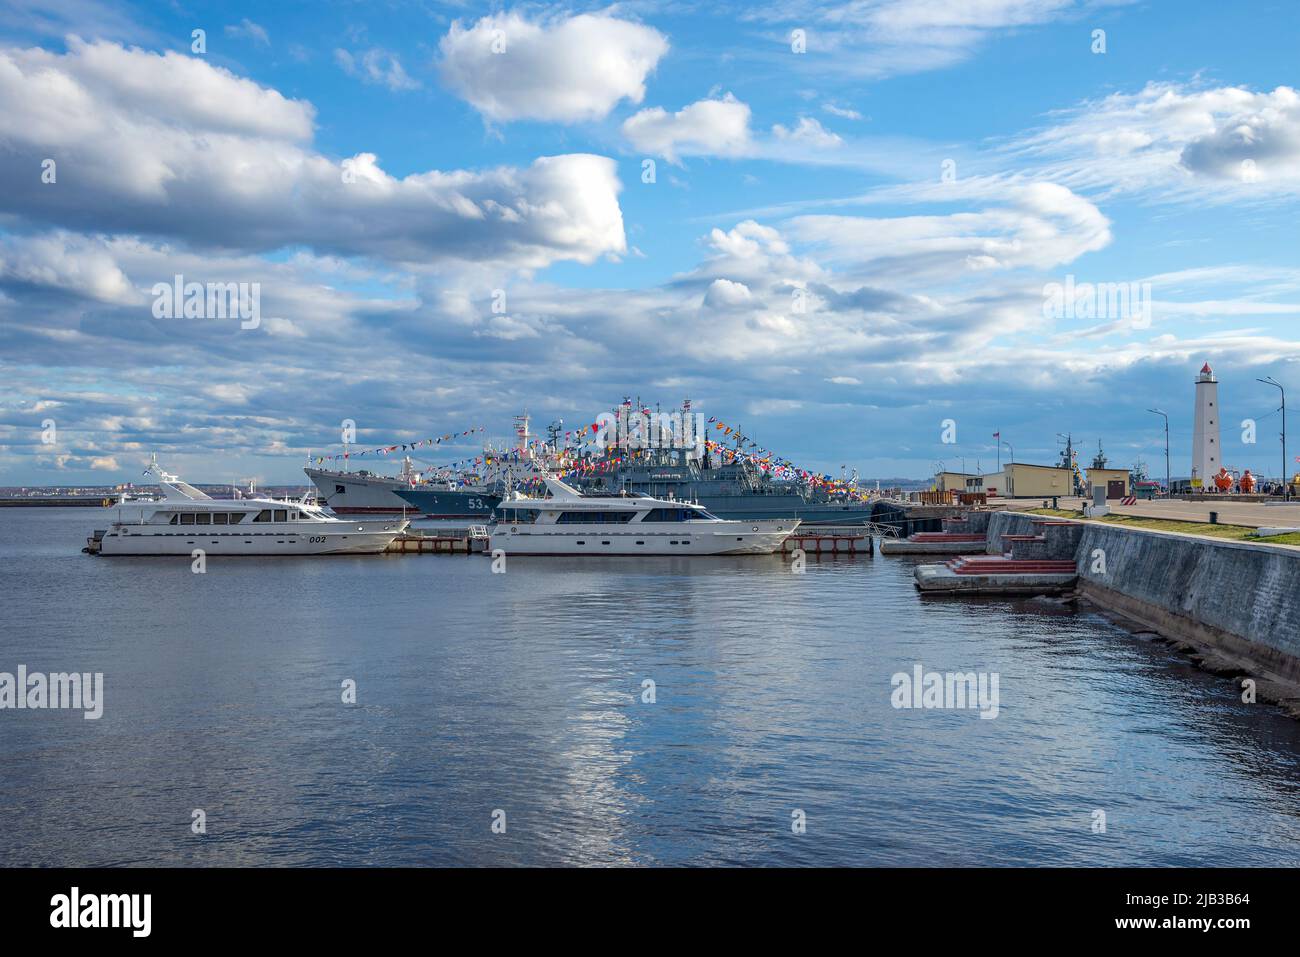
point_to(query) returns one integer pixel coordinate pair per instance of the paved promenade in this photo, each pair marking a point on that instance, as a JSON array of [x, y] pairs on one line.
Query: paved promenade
[[1251, 514]]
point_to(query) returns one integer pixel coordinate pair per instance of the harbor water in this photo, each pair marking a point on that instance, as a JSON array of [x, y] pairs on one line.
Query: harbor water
[[526, 693]]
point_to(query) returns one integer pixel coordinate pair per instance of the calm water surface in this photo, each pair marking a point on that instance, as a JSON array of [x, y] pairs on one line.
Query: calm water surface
[[522, 692]]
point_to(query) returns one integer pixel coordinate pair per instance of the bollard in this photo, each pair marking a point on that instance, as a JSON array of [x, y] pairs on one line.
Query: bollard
[[1214, 518], [1054, 505]]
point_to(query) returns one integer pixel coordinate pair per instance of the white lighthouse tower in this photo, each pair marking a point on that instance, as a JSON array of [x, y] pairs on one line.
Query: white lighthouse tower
[[1207, 457]]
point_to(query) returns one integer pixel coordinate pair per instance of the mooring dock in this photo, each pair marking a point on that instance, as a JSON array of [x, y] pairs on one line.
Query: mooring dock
[[961, 535], [1040, 561], [997, 575], [468, 541], [934, 543], [832, 540]]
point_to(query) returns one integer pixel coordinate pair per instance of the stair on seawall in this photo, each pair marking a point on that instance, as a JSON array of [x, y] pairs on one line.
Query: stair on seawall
[[1002, 565], [997, 575], [934, 543]]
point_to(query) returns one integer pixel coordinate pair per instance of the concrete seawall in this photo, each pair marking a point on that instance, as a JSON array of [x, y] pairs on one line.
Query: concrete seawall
[[1234, 605], [1236, 600]]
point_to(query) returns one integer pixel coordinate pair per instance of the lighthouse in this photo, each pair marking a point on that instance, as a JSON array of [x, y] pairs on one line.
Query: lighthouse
[[1207, 458]]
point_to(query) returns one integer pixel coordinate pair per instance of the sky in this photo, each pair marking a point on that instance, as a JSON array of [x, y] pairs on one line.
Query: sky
[[870, 234]]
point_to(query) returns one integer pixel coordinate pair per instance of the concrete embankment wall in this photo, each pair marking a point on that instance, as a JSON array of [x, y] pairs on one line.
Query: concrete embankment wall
[[1008, 523], [1238, 599]]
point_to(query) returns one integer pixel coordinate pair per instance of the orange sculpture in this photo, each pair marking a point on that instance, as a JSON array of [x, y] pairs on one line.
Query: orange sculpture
[[1247, 482], [1223, 481]]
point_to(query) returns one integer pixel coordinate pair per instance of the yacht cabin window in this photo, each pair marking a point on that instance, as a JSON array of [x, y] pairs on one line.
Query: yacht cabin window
[[595, 518], [671, 515]]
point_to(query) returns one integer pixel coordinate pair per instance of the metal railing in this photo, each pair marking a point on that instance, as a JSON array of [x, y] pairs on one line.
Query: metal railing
[[864, 528]]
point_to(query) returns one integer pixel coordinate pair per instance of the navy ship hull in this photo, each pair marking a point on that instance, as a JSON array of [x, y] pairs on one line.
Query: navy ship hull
[[729, 491], [358, 493], [444, 503], [364, 493]]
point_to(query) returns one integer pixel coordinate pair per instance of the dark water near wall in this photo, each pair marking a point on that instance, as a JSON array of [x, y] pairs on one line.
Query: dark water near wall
[[522, 692]]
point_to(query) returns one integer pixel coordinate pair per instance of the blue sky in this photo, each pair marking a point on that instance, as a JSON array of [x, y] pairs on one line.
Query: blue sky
[[841, 248]]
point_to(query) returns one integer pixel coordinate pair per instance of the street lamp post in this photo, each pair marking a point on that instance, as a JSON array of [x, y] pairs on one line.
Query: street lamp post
[[1286, 487], [1168, 487]]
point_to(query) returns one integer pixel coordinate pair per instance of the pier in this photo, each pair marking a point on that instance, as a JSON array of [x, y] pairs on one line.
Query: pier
[[831, 540], [998, 575], [471, 541], [935, 543], [1035, 560], [57, 501]]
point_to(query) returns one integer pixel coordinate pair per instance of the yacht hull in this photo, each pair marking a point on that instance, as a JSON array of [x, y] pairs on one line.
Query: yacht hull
[[362, 537], [689, 538]]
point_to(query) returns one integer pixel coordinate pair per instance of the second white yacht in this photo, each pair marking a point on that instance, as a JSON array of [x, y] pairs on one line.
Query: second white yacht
[[184, 519], [567, 522]]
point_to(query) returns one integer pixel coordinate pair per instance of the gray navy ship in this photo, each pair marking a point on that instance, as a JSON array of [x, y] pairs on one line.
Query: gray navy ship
[[446, 496], [732, 490], [368, 493], [728, 484]]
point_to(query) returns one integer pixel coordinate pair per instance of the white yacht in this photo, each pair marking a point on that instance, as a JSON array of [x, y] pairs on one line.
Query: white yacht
[[567, 522], [183, 519]]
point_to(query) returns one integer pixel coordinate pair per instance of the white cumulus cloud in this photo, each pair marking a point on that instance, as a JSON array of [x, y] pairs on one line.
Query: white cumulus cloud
[[725, 294], [169, 145], [69, 263], [1039, 226], [565, 70], [1222, 143], [712, 127]]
